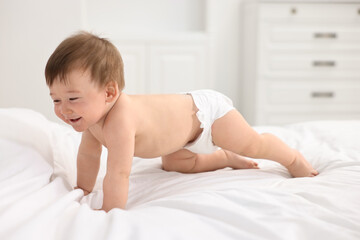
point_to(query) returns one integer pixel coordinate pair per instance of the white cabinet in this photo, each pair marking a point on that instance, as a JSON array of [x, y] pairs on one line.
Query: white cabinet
[[164, 44], [134, 67], [178, 68], [307, 62], [164, 65]]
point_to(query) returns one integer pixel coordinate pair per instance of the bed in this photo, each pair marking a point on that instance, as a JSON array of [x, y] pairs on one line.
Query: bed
[[37, 200]]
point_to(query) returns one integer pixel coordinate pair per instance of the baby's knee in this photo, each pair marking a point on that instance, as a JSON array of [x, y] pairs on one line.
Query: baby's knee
[[167, 163], [183, 165]]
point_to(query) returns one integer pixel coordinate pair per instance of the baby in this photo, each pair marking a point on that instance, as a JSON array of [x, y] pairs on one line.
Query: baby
[[192, 132]]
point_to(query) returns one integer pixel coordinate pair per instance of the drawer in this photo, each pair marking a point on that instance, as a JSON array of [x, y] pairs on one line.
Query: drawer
[[314, 62], [315, 34], [310, 11], [291, 117], [312, 93]]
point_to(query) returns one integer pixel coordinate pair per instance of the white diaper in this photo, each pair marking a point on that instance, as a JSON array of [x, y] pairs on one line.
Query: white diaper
[[212, 105]]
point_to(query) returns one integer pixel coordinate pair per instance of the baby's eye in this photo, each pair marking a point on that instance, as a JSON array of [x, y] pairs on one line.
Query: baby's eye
[[56, 101], [73, 99]]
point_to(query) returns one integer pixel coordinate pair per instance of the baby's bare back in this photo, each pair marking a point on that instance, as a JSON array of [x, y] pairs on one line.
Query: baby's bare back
[[166, 123]]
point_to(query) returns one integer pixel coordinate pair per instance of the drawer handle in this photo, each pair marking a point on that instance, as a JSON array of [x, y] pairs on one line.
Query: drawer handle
[[322, 94], [324, 63], [329, 35], [293, 11]]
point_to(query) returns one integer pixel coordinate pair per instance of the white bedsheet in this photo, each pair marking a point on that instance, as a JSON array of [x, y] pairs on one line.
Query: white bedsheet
[[37, 172]]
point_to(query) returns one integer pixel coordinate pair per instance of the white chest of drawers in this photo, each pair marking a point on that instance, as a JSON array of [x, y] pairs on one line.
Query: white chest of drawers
[[307, 62]]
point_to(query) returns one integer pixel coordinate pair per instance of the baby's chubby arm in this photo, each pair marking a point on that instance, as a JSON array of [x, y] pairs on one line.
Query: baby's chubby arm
[[120, 141], [88, 162]]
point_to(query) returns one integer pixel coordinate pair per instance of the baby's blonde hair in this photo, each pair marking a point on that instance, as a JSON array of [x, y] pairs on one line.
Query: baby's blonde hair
[[88, 52]]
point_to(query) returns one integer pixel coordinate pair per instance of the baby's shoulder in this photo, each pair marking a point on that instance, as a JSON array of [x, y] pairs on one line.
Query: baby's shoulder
[[121, 115]]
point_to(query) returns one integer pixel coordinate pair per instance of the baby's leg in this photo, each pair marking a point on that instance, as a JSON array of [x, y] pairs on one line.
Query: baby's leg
[[233, 133], [186, 161]]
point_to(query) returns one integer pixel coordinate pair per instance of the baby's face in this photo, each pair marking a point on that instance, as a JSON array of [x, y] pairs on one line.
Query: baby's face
[[79, 102]]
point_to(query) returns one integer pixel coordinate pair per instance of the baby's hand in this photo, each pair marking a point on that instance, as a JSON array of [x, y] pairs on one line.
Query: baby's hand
[[301, 168], [85, 191]]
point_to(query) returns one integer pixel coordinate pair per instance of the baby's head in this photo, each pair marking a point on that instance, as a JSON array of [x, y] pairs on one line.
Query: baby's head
[[87, 52], [84, 75]]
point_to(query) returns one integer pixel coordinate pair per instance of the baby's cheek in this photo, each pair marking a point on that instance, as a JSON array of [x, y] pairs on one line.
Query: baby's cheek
[[58, 114]]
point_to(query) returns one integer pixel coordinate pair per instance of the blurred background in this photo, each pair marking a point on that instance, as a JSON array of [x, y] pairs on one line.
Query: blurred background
[[279, 61], [167, 45]]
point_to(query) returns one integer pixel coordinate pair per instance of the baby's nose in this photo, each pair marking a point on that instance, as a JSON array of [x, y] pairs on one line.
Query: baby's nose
[[66, 111]]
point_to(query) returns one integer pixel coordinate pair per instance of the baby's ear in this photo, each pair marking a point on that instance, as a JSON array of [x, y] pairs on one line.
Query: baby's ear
[[111, 91]]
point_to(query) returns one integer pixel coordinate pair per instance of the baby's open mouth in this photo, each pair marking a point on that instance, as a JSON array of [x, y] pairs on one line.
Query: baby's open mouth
[[74, 120]]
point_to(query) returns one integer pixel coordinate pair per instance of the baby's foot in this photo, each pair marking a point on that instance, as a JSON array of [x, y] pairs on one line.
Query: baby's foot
[[238, 162], [300, 167]]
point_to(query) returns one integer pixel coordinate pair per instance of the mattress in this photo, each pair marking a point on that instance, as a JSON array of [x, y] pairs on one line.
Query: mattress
[[38, 173]]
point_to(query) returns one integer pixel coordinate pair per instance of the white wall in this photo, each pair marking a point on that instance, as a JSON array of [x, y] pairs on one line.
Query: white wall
[[31, 30], [145, 16]]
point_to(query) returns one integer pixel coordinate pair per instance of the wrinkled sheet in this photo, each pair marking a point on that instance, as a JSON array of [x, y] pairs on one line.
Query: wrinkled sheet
[[37, 200]]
